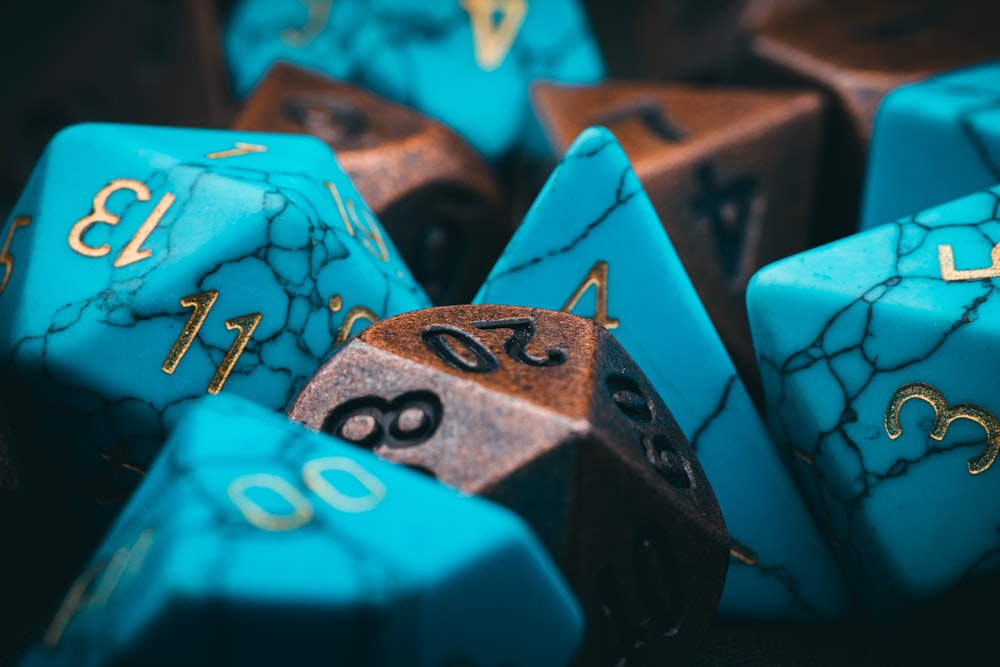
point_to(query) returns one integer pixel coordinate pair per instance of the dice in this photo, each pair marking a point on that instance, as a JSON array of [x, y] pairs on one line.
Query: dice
[[254, 541], [544, 413], [877, 354], [433, 194], [179, 263]]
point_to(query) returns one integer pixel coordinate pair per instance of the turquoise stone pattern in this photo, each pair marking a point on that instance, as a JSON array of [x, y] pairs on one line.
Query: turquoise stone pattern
[[933, 142], [879, 355], [144, 267], [468, 63], [593, 245], [254, 541]]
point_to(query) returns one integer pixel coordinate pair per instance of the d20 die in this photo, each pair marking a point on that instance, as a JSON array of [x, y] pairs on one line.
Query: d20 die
[[593, 245], [731, 173], [254, 542], [878, 354], [177, 262], [934, 141], [466, 63], [544, 413], [439, 200]]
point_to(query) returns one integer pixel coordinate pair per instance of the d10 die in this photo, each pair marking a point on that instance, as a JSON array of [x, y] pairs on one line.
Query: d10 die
[[593, 245], [174, 263], [933, 141], [546, 414], [439, 200], [255, 542], [467, 63], [878, 354]]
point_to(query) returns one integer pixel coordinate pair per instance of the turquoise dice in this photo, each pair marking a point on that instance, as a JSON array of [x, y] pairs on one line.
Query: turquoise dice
[[466, 62], [254, 541], [593, 245], [933, 142], [171, 264], [879, 356]]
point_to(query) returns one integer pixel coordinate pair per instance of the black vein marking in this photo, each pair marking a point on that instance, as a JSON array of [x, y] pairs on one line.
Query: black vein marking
[[720, 408]]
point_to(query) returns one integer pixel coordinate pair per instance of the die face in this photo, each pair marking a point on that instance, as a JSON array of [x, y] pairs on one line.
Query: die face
[[731, 174], [181, 262], [487, 50], [592, 245], [881, 318], [438, 200], [200, 556], [956, 119]]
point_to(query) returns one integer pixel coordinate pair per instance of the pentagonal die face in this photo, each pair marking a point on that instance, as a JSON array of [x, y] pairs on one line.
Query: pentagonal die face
[[545, 413], [148, 266]]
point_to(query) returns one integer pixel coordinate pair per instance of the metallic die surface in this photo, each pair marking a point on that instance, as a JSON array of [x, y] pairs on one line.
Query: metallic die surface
[[731, 173], [546, 414], [437, 198]]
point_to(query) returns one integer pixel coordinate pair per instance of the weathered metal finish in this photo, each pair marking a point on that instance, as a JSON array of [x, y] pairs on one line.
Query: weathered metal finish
[[437, 198], [545, 413]]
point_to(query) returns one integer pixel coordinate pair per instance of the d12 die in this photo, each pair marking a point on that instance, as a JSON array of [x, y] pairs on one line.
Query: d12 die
[[593, 245], [879, 354], [255, 542], [439, 200], [546, 414], [933, 141], [730, 172], [174, 263], [467, 63]]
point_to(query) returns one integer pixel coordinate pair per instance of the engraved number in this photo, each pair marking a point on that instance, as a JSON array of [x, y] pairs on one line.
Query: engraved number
[[524, 330], [492, 39], [202, 303], [372, 236], [480, 359], [597, 278], [946, 258], [133, 251], [301, 510], [944, 415], [6, 258]]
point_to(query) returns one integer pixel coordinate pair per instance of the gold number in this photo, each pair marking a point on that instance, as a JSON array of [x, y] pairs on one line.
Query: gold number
[[202, 303], [319, 16], [741, 552], [372, 240], [301, 514], [6, 258], [492, 39], [944, 415], [350, 319], [312, 474], [241, 148], [946, 258], [597, 278], [100, 214]]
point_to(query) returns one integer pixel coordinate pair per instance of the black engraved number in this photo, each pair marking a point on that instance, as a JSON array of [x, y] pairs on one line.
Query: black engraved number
[[372, 421], [436, 338], [329, 116], [617, 637], [651, 114], [516, 344]]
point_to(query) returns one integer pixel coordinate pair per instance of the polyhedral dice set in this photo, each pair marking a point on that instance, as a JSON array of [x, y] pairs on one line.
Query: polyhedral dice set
[[291, 371]]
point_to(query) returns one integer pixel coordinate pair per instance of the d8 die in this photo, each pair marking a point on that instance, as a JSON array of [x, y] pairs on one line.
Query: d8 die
[[175, 263], [467, 63], [255, 542], [439, 200], [546, 414], [878, 354]]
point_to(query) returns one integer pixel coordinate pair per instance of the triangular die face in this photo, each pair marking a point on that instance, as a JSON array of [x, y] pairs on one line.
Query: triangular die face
[[593, 211], [495, 25]]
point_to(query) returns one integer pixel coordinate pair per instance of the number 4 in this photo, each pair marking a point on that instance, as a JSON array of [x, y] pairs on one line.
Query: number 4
[[597, 278]]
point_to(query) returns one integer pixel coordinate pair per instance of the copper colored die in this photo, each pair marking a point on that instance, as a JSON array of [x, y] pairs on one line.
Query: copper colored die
[[437, 198], [858, 50], [545, 413], [731, 173]]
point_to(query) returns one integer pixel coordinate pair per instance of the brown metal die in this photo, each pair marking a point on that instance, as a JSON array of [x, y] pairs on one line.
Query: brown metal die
[[766, 143], [551, 443], [436, 197], [857, 51]]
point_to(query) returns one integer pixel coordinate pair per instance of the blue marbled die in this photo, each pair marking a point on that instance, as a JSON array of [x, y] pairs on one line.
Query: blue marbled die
[[593, 226], [114, 252], [847, 334], [254, 541], [933, 141], [468, 63]]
